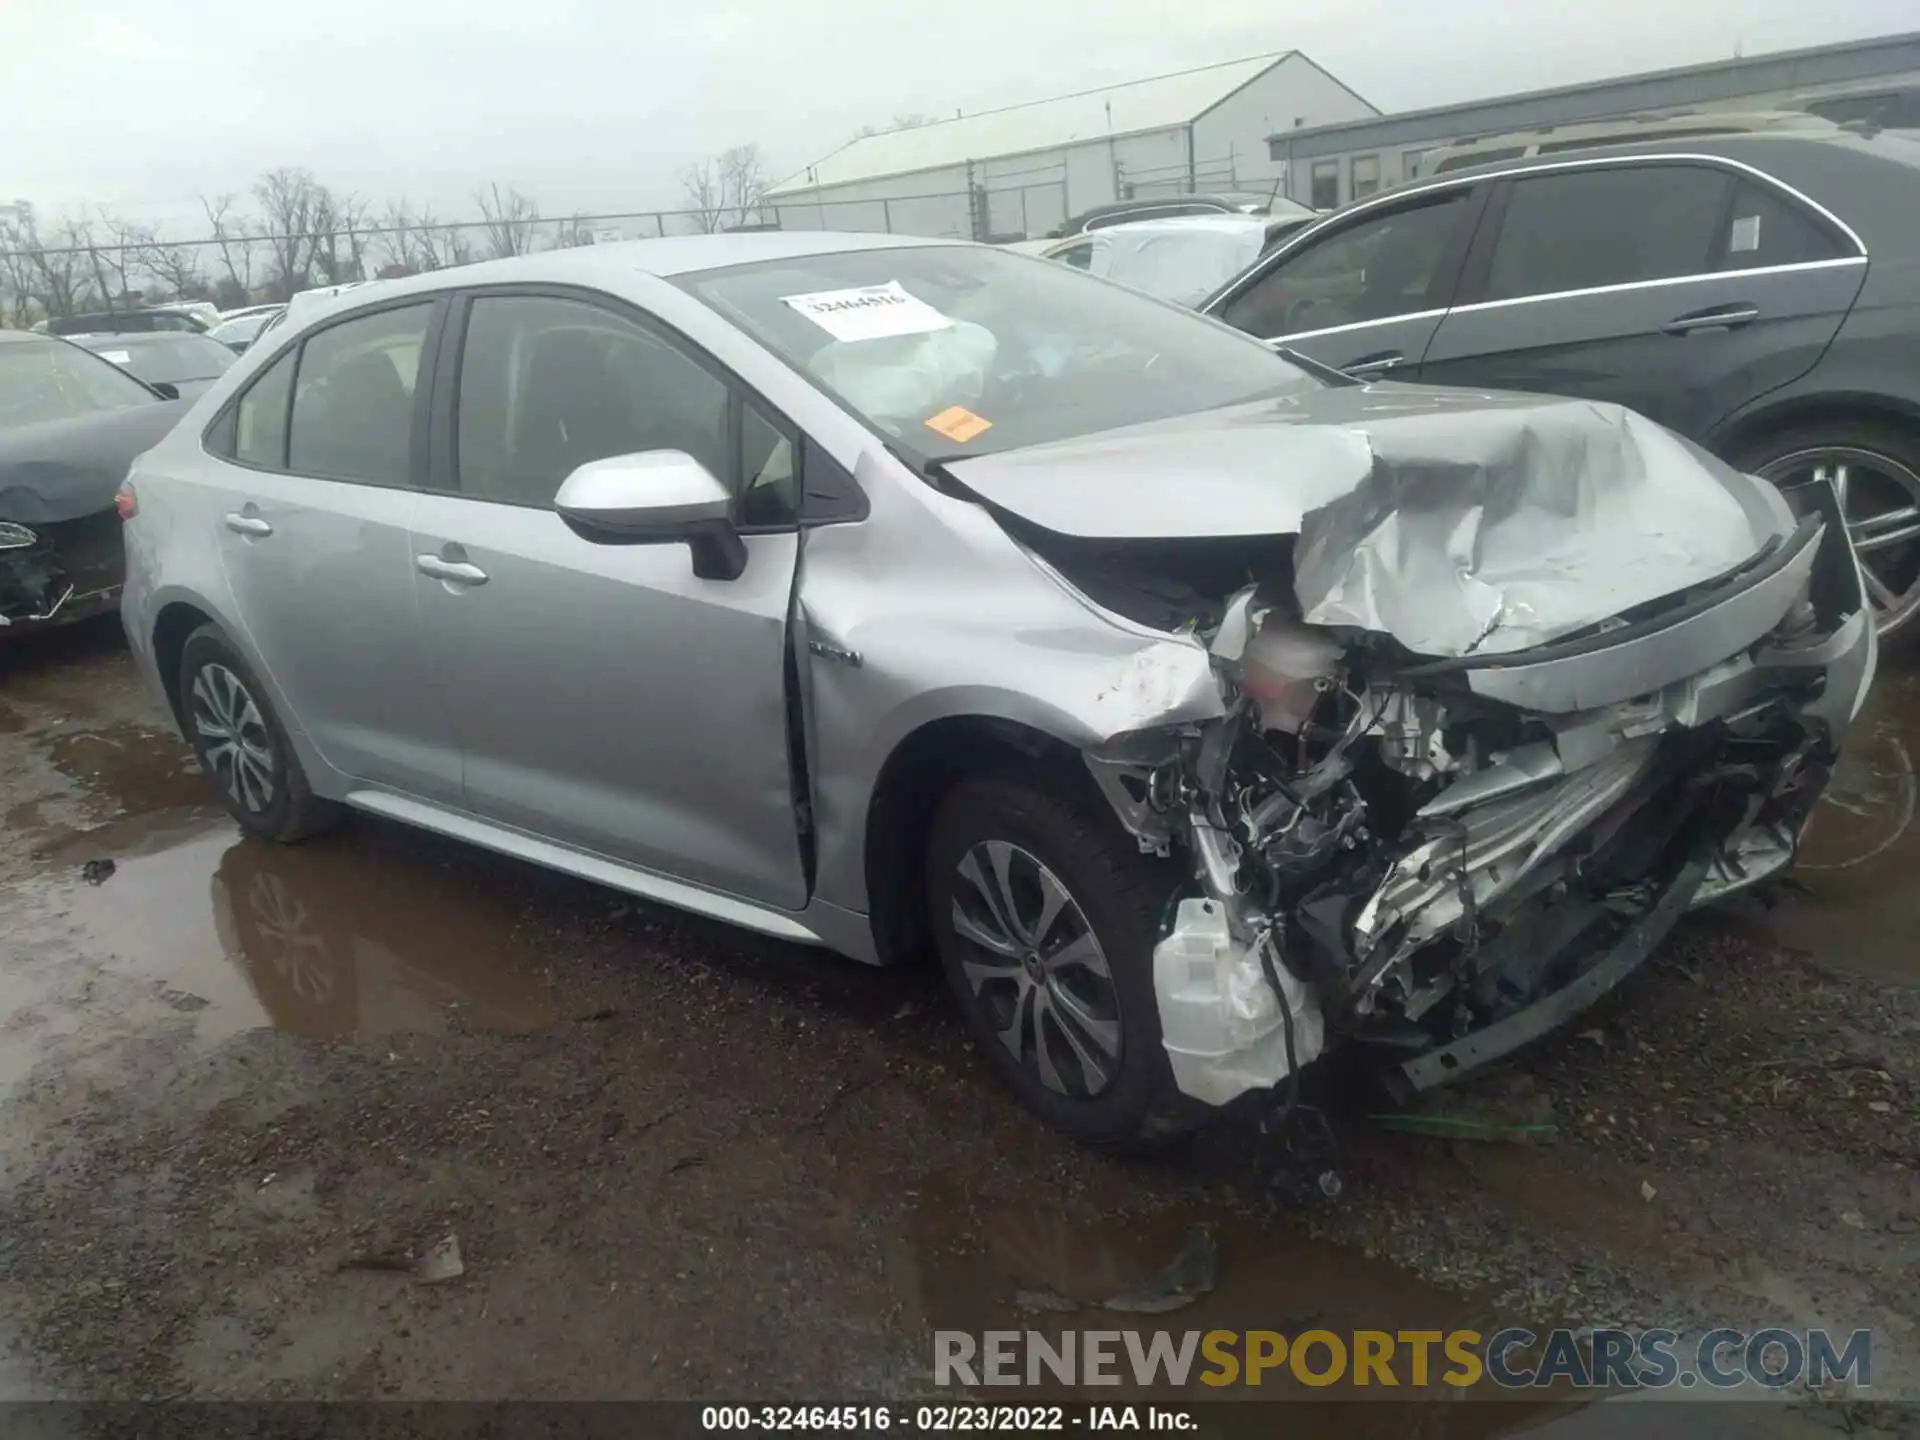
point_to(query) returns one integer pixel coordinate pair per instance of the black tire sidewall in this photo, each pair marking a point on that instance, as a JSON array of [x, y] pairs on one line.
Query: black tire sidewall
[[1877, 436], [1120, 892], [208, 646]]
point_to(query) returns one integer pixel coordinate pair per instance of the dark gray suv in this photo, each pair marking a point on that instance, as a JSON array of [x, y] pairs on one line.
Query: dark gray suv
[[1759, 294]]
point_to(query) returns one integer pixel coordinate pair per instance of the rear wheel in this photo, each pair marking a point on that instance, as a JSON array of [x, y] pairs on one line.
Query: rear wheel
[[241, 743], [1874, 468], [1045, 915]]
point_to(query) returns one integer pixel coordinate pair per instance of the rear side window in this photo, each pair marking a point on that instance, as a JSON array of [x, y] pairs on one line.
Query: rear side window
[[1583, 228], [1383, 266], [1766, 228], [260, 419], [353, 398]]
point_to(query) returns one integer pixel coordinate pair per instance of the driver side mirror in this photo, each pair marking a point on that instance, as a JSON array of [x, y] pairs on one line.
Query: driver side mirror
[[655, 497]]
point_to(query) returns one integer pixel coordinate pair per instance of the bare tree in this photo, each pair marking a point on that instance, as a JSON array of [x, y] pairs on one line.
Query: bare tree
[[573, 233], [743, 181], [339, 241], [51, 271], [289, 200], [176, 269], [233, 235], [704, 190], [510, 218], [910, 120]]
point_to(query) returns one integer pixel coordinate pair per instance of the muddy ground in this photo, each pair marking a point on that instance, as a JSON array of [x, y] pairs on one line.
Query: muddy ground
[[241, 1085]]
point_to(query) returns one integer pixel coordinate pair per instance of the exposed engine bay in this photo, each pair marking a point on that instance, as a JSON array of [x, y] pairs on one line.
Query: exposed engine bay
[[1381, 854]]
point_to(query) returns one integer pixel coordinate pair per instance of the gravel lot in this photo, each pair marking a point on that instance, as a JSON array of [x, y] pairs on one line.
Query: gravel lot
[[246, 1086]]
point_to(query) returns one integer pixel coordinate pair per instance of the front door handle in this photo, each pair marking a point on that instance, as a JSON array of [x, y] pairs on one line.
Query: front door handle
[[458, 572], [247, 524], [1375, 364], [1721, 317]]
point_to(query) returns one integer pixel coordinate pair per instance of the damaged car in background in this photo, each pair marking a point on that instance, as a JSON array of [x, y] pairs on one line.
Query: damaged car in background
[[70, 424], [1201, 711]]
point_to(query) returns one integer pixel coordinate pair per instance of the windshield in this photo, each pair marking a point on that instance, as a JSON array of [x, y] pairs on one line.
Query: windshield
[[50, 380], [964, 350], [1184, 264], [177, 357], [241, 327]]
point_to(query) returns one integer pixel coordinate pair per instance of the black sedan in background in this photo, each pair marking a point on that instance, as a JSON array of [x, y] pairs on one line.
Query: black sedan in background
[[70, 425], [1758, 293], [178, 366]]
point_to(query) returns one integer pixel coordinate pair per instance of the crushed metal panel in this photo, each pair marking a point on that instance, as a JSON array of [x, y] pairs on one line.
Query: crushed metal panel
[[1491, 531]]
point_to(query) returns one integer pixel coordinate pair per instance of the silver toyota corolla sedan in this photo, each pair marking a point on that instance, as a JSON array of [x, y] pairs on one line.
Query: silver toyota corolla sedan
[[1200, 709]]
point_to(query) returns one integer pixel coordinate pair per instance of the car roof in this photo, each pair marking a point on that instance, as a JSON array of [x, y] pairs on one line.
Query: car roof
[[133, 339], [1176, 224], [674, 255]]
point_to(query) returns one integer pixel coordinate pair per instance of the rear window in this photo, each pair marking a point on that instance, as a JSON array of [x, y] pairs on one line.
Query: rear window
[[42, 380], [1766, 228], [1611, 225]]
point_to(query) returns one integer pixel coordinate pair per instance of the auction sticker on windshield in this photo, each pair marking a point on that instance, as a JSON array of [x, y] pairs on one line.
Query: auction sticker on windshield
[[959, 424], [869, 312]]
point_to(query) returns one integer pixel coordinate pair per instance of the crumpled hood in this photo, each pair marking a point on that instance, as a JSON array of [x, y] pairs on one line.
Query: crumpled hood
[[63, 469], [1458, 522]]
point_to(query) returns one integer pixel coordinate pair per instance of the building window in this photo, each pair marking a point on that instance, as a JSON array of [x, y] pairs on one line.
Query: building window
[[1412, 164], [1366, 176], [1326, 185]]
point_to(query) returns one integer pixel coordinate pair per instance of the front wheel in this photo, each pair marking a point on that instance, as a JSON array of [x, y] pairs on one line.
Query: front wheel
[[1874, 469], [1045, 915]]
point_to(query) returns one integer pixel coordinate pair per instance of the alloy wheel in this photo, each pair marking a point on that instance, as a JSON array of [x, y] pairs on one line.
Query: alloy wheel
[[231, 735], [1880, 498], [1036, 968]]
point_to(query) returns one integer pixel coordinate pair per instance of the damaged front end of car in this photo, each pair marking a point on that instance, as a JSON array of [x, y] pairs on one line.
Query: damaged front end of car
[[1458, 790]]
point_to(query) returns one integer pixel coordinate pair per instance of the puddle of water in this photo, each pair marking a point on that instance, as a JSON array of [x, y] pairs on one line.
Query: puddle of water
[[337, 939], [1852, 899], [135, 768], [974, 1263]]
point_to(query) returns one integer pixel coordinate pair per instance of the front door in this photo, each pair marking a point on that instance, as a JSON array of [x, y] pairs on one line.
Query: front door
[[1364, 296], [605, 697], [313, 516], [1680, 290]]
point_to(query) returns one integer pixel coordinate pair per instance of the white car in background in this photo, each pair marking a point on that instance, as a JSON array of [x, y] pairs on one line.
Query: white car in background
[[1182, 258]]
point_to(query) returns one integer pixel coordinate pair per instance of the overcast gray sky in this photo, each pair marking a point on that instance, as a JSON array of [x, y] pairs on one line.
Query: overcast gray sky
[[593, 105]]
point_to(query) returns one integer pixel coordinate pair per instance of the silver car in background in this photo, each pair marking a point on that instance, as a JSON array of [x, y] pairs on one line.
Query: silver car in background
[[1199, 712]]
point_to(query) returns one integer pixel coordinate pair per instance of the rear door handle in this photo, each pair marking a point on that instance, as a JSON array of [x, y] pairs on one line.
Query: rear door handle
[[1721, 317], [1375, 364], [247, 524], [458, 572]]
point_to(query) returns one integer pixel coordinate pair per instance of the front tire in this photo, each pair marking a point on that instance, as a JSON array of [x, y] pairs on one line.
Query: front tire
[[241, 743], [1045, 914]]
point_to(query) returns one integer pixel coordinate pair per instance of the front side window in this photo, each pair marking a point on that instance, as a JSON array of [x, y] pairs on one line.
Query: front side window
[[1613, 225], [260, 419], [43, 380], [960, 350], [1380, 267], [547, 384], [1326, 185], [353, 398], [1080, 256], [1766, 228]]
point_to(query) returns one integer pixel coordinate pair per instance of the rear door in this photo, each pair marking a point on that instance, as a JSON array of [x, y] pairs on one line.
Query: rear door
[[322, 456], [1365, 294], [1680, 288], [605, 696]]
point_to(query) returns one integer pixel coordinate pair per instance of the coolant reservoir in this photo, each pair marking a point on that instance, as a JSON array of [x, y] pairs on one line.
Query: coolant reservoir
[[1280, 668]]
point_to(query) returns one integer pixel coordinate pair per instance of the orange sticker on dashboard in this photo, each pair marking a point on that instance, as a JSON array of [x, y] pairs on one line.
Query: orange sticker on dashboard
[[959, 424]]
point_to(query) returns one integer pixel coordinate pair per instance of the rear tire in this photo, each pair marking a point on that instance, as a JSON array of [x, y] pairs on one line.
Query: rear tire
[[1875, 467], [1061, 999], [242, 745]]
